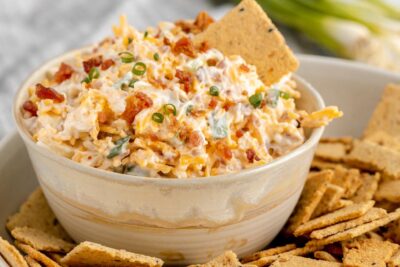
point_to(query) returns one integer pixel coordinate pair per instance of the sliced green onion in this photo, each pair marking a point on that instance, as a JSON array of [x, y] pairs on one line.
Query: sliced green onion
[[214, 91], [126, 57], [115, 151], [132, 83], [284, 95], [157, 117], [139, 68], [168, 108], [255, 100], [93, 74], [156, 56], [189, 109], [86, 80], [145, 34]]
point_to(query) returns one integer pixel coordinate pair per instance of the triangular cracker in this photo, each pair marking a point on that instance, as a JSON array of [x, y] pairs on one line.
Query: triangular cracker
[[247, 31], [11, 254]]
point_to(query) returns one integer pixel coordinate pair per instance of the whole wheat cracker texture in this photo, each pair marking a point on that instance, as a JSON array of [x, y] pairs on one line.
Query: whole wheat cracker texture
[[11, 254], [373, 157], [36, 213], [394, 260], [40, 240], [268, 252], [329, 200], [356, 231], [227, 259], [313, 191], [325, 256], [331, 151], [341, 204], [31, 262], [348, 179], [368, 252], [368, 187], [89, 253], [37, 255], [247, 31], [386, 116], [389, 190], [344, 214], [296, 261], [371, 215]]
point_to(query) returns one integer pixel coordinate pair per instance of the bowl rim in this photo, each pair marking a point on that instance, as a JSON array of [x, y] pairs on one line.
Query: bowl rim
[[118, 177]]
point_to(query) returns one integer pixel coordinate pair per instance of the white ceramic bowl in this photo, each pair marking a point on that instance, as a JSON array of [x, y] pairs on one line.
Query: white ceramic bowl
[[180, 220]]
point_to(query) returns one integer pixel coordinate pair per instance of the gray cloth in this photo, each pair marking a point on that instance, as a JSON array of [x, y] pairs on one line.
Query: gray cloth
[[34, 31]]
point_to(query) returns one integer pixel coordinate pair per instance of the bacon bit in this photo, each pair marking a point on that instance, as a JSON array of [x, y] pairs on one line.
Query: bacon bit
[[166, 41], [194, 139], [30, 107], [92, 62], [48, 93], [213, 103], [64, 72], [107, 64], [184, 46], [224, 151], [212, 62], [227, 105], [204, 46], [134, 104], [244, 68], [239, 133], [185, 25], [184, 134], [251, 155], [186, 79], [203, 20]]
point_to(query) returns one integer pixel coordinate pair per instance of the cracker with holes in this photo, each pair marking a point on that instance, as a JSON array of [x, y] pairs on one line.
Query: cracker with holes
[[89, 254], [345, 214], [247, 31], [368, 187], [313, 191], [389, 190], [295, 261]]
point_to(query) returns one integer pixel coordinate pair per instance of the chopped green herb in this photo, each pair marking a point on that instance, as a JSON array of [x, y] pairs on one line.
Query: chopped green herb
[[139, 68], [255, 100], [157, 117], [156, 56], [126, 57], [168, 108], [93, 74], [132, 83], [145, 34], [115, 151], [214, 91], [284, 95], [189, 109]]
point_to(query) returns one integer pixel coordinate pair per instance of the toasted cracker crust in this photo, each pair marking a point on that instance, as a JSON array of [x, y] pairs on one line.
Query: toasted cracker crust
[[268, 252], [323, 255], [227, 259], [11, 254], [348, 179], [329, 200], [368, 187], [31, 262], [37, 255], [371, 215], [394, 260], [89, 253], [344, 214], [323, 165], [40, 240], [389, 190], [296, 261], [331, 151], [247, 31]]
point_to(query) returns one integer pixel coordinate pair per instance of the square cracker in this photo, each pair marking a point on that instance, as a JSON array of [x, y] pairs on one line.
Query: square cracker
[[40, 240], [36, 213], [313, 191], [11, 254], [247, 31], [89, 253], [371, 215], [37, 255], [373, 157], [329, 200], [386, 116], [344, 214], [323, 165], [296, 261], [384, 139], [368, 187], [348, 179], [268, 252], [227, 259], [368, 252], [389, 190], [331, 151]]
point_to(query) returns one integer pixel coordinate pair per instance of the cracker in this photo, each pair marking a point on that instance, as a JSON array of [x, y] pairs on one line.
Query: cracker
[[89, 253], [296, 261], [368, 187], [313, 191], [323, 165], [348, 179], [342, 203], [268, 252], [344, 214], [389, 190], [345, 140], [383, 139], [368, 252], [247, 31], [394, 260], [11, 254], [393, 231], [31, 262], [37, 255], [331, 151], [227, 259], [388, 206], [373, 157], [371, 215], [386, 116], [356, 231], [332, 195], [36, 213], [40, 240], [323, 255]]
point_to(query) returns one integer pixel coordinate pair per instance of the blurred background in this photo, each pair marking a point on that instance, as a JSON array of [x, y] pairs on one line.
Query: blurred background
[[32, 32]]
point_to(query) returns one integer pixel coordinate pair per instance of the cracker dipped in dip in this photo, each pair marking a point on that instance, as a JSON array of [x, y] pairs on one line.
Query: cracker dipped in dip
[[161, 104]]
